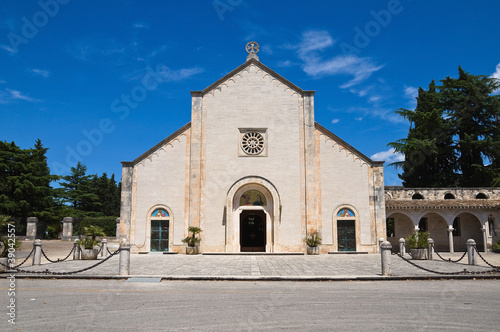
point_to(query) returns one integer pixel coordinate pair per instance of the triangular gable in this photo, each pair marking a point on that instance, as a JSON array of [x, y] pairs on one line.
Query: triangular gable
[[347, 146], [167, 140], [262, 67]]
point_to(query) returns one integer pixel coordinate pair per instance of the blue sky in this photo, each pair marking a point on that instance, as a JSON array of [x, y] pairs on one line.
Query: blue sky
[[69, 67]]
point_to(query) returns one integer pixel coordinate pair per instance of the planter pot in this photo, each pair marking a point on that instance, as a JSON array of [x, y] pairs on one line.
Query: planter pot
[[192, 250], [418, 253], [3, 261], [88, 254], [497, 251], [313, 250]]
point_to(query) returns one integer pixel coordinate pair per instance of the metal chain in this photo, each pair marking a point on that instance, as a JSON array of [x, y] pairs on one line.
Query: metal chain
[[464, 271], [449, 259], [25, 260], [484, 260], [112, 253], [68, 273], [58, 260]]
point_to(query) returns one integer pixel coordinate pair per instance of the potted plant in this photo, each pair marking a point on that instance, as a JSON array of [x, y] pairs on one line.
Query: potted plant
[[418, 243], [313, 241], [8, 244], [89, 245], [192, 241]]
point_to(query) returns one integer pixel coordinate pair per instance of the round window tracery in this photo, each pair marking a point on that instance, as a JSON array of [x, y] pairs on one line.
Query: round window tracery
[[252, 143]]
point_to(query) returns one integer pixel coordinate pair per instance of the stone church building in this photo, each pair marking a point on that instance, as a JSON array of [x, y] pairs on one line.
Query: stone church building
[[255, 172]]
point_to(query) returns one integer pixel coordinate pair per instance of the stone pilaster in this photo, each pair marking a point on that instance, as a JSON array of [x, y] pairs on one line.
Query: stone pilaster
[[31, 227], [195, 159], [311, 194], [67, 228], [126, 200]]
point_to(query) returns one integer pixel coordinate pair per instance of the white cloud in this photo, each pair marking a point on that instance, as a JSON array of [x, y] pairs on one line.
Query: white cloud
[[165, 74], [8, 95], [313, 42], [39, 72], [9, 49], [141, 26], [388, 156], [496, 75], [411, 93], [335, 120], [359, 118]]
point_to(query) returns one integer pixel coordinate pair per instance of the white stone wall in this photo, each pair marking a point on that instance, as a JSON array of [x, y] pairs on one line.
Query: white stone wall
[[344, 181], [251, 99], [160, 179]]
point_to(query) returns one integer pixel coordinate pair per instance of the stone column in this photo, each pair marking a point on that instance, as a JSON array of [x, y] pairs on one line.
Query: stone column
[[485, 239], [402, 246], [450, 238], [31, 228], [385, 253], [37, 255], [67, 228], [471, 251]]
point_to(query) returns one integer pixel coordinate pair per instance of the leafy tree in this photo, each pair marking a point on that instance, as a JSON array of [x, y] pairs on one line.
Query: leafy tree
[[454, 132]]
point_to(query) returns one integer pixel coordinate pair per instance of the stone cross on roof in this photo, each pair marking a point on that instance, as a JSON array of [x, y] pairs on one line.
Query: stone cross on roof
[[252, 50]]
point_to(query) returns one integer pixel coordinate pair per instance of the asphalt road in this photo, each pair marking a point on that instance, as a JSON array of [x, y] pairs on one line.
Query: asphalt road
[[115, 305]]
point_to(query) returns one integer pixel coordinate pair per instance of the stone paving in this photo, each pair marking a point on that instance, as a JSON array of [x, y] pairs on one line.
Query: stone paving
[[338, 266]]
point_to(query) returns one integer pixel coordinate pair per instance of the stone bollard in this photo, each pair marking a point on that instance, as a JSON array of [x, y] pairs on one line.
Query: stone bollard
[[117, 228], [385, 253], [430, 249], [471, 251], [37, 255], [402, 246], [76, 252], [104, 248], [124, 265]]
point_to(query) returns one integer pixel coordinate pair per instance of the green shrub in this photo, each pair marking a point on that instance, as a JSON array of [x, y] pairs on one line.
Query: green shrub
[[108, 225], [313, 239], [496, 245], [418, 240]]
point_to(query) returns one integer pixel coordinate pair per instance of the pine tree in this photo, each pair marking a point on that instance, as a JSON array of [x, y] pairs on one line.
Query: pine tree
[[80, 189], [454, 137], [25, 181], [428, 149], [474, 113]]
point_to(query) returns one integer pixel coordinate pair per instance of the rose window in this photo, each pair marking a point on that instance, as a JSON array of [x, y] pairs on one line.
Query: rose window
[[252, 143]]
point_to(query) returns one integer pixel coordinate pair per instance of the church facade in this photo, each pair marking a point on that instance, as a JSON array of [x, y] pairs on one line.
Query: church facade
[[255, 172]]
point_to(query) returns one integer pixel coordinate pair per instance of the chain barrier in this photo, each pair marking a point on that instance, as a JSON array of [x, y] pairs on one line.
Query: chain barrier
[[464, 271], [46, 271], [18, 265], [487, 263], [449, 259], [58, 260]]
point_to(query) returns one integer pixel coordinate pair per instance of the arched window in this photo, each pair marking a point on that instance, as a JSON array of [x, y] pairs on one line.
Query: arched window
[[160, 230], [481, 196], [345, 212], [417, 196], [449, 196]]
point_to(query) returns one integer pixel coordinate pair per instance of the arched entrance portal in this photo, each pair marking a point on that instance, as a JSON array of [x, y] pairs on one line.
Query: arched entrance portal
[[253, 231], [252, 216]]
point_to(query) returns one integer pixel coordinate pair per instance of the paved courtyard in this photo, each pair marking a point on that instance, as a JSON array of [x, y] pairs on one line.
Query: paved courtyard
[[338, 266]]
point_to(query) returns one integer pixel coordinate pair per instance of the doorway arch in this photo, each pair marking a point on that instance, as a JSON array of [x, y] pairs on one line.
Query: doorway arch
[[258, 197]]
